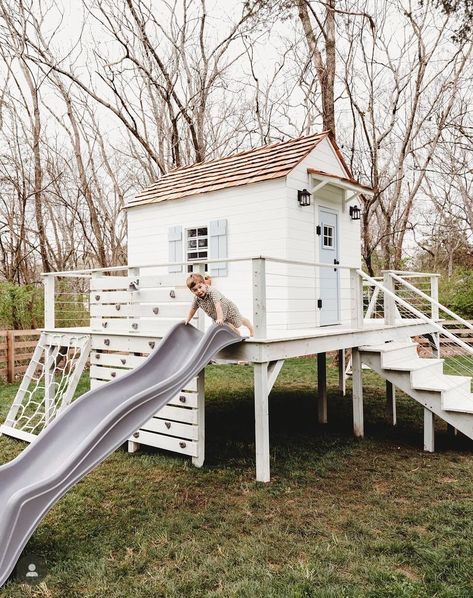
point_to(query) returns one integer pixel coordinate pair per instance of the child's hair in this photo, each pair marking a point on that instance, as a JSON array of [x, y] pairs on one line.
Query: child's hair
[[194, 279]]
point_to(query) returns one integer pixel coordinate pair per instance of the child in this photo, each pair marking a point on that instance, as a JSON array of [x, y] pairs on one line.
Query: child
[[215, 305]]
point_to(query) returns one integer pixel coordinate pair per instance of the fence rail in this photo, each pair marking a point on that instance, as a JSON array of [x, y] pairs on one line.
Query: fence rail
[[16, 350]]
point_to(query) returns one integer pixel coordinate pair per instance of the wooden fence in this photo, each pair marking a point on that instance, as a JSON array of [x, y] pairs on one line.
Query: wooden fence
[[16, 349]]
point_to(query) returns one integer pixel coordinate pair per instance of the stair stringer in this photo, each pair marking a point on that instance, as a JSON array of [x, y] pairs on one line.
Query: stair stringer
[[430, 399]]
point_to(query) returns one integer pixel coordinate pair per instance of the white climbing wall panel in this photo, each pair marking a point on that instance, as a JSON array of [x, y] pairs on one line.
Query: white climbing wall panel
[[129, 314]]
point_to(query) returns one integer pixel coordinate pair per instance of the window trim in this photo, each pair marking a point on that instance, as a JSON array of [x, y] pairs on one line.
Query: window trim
[[188, 250], [331, 247]]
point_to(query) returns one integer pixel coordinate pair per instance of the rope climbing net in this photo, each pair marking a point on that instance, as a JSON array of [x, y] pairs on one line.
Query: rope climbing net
[[49, 384]]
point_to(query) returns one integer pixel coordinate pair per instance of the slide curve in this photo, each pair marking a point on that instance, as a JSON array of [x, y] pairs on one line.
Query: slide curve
[[91, 428]]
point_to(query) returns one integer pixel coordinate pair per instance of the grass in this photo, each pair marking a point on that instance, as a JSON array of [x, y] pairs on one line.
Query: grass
[[340, 518]]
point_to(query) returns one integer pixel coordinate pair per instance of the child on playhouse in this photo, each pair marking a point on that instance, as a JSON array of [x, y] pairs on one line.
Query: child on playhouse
[[214, 304]]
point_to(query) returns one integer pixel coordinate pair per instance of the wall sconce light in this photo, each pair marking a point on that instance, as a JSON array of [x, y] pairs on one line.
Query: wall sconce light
[[355, 212], [303, 197]]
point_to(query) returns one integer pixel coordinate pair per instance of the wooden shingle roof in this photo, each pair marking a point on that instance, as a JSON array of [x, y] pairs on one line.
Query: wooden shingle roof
[[260, 164]]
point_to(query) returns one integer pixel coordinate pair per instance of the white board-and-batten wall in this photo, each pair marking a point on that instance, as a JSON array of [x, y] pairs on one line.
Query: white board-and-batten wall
[[262, 218]]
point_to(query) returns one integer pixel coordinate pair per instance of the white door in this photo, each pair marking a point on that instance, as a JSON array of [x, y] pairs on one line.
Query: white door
[[329, 283]]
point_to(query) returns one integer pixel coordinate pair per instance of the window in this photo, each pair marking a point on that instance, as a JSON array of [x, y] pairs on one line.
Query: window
[[328, 239], [197, 245]]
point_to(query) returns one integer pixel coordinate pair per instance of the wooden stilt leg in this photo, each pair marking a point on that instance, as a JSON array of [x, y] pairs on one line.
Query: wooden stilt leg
[[261, 422], [342, 378], [429, 444], [322, 388], [133, 447], [391, 401], [451, 430], [199, 460], [358, 424]]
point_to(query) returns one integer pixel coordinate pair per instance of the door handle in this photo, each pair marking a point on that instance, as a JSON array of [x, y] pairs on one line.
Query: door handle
[[335, 261]]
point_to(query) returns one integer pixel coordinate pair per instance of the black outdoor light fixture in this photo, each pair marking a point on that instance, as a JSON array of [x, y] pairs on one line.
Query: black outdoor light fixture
[[303, 197], [355, 212]]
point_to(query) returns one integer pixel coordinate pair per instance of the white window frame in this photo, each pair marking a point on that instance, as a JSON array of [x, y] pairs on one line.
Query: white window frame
[[190, 250], [331, 237]]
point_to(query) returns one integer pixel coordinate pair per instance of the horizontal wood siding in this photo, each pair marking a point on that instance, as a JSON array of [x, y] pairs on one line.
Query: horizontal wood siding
[[301, 240], [256, 224]]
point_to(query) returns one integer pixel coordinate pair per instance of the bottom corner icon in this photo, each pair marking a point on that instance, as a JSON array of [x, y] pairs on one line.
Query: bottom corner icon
[[31, 568]]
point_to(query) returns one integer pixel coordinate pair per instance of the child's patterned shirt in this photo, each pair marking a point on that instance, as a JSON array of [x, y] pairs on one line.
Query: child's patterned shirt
[[230, 311]]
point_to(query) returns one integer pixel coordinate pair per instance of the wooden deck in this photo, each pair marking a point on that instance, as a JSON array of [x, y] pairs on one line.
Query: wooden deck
[[268, 354]]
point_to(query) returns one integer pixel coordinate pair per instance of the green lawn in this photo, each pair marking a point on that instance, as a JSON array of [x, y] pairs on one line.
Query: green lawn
[[367, 518]]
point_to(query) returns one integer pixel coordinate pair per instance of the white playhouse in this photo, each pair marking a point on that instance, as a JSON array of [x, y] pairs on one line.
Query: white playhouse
[[278, 230], [293, 201]]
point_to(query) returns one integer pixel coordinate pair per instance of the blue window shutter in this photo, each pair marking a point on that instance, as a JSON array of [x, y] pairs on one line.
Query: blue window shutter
[[218, 247], [175, 247]]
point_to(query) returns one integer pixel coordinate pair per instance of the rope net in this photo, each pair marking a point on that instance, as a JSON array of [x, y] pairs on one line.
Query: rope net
[[49, 382]]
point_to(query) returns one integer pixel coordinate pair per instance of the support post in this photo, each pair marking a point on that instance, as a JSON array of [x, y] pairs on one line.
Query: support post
[[199, 269], [10, 356], [133, 447], [389, 302], [357, 384], [342, 377], [429, 436], [391, 402], [356, 288], [322, 388], [259, 297], [132, 317], [261, 421], [199, 460], [49, 283], [434, 293]]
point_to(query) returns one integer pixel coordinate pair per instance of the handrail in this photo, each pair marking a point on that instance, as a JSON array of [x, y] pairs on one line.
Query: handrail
[[413, 274], [418, 313], [78, 273], [436, 303]]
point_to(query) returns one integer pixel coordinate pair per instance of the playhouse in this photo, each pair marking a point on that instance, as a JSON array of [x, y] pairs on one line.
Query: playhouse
[[292, 200], [278, 230]]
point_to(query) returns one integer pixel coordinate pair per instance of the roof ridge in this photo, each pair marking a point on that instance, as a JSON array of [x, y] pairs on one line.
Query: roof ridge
[[247, 151]]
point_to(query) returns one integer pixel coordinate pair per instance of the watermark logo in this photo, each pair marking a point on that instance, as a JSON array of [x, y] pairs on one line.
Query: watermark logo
[[31, 568]]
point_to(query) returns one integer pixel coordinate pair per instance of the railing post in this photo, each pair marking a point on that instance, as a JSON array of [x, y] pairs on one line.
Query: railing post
[[200, 269], [133, 321], [389, 302], [356, 287], [259, 297], [10, 355], [49, 283], [434, 293]]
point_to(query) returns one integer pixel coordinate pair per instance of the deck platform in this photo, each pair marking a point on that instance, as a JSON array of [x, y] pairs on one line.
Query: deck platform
[[268, 354]]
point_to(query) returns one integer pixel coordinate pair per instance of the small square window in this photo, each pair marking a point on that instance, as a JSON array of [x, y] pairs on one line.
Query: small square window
[[328, 237]]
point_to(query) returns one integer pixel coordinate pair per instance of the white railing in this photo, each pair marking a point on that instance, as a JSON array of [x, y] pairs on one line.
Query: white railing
[[426, 283], [398, 299], [281, 294]]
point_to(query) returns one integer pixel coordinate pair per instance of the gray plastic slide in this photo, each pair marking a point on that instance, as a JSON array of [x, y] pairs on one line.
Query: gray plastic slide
[[91, 428]]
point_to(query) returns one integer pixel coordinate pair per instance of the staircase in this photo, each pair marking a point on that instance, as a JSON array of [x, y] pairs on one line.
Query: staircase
[[448, 397]]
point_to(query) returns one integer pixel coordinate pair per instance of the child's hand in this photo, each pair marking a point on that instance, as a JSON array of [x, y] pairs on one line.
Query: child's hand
[[219, 321], [186, 322]]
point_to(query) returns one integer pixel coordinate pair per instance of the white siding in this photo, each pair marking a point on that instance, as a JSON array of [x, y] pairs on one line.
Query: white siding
[[301, 239], [256, 218], [263, 219]]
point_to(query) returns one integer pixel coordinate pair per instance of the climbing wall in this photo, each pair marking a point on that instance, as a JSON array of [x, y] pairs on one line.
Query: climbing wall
[[128, 317]]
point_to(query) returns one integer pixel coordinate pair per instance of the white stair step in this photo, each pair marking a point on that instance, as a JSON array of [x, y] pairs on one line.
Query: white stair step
[[462, 404], [391, 346], [394, 351], [416, 364], [445, 383]]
